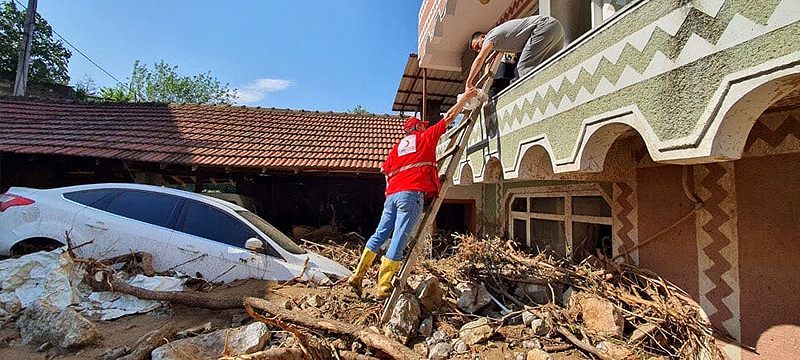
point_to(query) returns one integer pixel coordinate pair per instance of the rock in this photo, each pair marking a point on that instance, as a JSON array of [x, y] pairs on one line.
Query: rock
[[236, 341], [528, 317], [288, 305], [437, 337], [459, 346], [531, 344], [440, 351], [538, 354], [44, 323], [599, 315], [566, 297], [356, 346], [539, 294], [315, 301], [421, 349], [430, 294], [404, 320], [339, 344], [472, 297], [426, 327], [540, 327], [475, 331], [614, 351]]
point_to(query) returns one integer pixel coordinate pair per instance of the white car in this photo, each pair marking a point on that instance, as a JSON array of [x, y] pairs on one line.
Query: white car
[[186, 232]]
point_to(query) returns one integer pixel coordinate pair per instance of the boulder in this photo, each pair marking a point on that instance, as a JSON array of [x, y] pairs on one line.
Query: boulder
[[430, 294], [475, 331], [426, 327], [538, 354], [44, 323], [437, 337], [404, 320], [315, 301], [599, 315], [539, 294], [236, 341], [472, 297], [440, 351]]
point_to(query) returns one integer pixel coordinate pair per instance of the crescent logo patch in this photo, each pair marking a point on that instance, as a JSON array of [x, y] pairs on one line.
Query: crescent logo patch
[[407, 146]]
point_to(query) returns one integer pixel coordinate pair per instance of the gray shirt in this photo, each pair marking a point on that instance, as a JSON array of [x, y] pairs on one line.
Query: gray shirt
[[512, 35]]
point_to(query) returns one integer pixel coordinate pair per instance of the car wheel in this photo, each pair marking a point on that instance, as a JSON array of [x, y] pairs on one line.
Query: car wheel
[[33, 245]]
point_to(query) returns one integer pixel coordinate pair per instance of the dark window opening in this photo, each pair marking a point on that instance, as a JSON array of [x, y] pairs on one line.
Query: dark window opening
[[591, 240], [152, 208], [453, 218], [88, 197], [204, 221]]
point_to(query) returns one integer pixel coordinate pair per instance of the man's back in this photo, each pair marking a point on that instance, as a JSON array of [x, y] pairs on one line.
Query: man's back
[[512, 35]]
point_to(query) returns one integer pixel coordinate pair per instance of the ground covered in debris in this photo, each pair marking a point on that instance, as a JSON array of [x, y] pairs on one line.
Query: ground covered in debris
[[477, 298]]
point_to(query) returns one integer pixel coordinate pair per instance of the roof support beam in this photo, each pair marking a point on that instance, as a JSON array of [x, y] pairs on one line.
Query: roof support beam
[[451, 81]]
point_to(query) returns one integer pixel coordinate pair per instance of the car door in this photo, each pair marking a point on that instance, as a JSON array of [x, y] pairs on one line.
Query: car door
[[217, 240], [130, 221]]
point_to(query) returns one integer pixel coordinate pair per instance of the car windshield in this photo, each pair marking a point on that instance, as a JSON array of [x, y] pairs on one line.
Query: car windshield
[[276, 235]]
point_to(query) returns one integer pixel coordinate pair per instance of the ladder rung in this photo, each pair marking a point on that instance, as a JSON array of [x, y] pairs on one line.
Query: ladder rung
[[448, 152]]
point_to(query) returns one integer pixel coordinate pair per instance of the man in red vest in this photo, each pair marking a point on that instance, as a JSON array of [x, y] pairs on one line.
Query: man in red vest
[[411, 176]]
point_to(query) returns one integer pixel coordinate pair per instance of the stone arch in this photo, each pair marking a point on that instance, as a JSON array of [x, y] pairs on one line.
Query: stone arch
[[535, 164], [593, 154], [465, 176], [728, 139], [493, 171]]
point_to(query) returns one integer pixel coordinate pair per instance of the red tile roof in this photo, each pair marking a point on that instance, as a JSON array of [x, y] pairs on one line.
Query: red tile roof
[[205, 135]]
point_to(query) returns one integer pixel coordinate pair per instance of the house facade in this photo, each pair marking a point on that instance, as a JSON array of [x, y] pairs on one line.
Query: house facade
[[666, 133]]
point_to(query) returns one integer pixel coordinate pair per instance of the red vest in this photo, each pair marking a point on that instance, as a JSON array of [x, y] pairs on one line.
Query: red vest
[[411, 164]]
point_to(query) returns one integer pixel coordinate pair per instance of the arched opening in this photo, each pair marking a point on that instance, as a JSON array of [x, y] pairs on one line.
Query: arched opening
[[535, 164], [593, 153], [493, 171], [465, 176]]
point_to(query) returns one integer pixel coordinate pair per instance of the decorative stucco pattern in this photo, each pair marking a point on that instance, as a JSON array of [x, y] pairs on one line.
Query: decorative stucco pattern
[[625, 220], [718, 247], [667, 68]]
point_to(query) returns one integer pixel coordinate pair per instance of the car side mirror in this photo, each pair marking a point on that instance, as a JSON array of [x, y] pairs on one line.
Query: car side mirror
[[254, 244]]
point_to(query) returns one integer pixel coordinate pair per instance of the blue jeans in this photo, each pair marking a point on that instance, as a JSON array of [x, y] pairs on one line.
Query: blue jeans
[[400, 212]]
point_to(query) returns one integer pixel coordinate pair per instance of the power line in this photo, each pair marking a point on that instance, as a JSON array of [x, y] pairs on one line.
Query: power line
[[78, 50]]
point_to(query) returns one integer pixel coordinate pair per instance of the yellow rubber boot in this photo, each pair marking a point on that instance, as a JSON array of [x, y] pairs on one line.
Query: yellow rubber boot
[[385, 275], [367, 257]]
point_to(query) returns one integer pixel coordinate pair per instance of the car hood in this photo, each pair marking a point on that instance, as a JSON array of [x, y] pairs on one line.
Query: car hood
[[323, 264]]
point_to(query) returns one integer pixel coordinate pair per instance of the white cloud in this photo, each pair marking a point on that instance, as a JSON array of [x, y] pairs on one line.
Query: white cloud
[[256, 90]]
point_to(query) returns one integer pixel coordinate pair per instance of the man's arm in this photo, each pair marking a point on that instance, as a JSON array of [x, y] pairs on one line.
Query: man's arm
[[477, 64], [451, 114]]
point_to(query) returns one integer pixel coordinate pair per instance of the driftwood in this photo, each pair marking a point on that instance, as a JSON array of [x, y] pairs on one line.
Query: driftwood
[[372, 339], [581, 344], [145, 345], [105, 281]]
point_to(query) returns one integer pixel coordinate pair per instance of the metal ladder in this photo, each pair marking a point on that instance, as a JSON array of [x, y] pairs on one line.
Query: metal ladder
[[447, 161]]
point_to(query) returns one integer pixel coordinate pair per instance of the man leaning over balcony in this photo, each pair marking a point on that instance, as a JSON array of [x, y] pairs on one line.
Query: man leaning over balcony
[[536, 38]]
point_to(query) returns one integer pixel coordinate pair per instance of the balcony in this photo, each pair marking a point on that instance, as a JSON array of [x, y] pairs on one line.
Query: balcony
[[689, 77]]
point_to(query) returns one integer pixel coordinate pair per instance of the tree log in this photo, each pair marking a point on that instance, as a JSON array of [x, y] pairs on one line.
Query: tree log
[[111, 283], [372, 339]]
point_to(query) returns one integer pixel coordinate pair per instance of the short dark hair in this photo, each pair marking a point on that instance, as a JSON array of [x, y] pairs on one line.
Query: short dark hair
[[475, 35]]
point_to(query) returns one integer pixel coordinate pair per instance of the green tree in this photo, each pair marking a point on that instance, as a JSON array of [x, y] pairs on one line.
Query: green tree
[[359, 110], [163, 84], [49, 57]]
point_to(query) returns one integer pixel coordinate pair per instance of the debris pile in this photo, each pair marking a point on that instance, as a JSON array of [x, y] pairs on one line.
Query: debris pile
[[607, 309]]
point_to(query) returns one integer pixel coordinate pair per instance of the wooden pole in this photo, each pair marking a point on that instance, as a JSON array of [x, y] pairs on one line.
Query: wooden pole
[[424, 94], [21, 82]]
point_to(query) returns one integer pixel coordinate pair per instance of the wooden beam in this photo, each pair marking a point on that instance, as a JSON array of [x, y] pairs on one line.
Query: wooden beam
[[451, 81], [431, 94], [424, 94]]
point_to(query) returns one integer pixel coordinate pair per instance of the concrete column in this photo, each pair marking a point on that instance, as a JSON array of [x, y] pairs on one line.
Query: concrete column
[[574, 15]]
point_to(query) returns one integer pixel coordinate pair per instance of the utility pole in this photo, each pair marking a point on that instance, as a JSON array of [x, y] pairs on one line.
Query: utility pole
[[21, 82]]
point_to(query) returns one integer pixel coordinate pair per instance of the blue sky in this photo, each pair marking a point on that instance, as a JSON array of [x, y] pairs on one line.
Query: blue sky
[[299, 54]]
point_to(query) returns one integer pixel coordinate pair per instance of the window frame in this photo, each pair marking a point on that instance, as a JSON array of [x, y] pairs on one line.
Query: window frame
[[568, 218]]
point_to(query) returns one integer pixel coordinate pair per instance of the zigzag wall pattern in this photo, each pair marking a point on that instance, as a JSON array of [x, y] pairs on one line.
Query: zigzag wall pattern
[[697, 22], [789, 127], [717, 243], [625, 219]]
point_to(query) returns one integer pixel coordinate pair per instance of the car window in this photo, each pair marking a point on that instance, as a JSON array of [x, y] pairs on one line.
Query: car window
[[88, 197], [150, 207], [207, 222], [276, 235]]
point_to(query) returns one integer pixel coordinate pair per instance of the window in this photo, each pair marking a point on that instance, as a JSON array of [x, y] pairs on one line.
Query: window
[[207, 222], [88, 197], [572, 224], [150, 207], [276, 235]]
